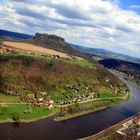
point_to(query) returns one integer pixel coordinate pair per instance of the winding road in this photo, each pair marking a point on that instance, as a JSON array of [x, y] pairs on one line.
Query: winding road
[[48, 129]]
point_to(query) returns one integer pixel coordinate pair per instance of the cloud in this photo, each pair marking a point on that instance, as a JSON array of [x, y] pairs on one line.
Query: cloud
[[30, 13], [21, 1], [134, 6], [92, 23], [70, 12], [124, 28]]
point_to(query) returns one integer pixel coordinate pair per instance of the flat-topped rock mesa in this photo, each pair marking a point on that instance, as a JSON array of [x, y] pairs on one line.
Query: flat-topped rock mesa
[[47, 37], [53, 42]]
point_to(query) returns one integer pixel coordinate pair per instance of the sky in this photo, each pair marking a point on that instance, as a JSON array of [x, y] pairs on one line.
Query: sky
[[109, 24]]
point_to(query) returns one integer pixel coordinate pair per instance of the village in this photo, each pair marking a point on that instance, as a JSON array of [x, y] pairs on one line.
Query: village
[[81, 98], [42, 100], [131, 128]]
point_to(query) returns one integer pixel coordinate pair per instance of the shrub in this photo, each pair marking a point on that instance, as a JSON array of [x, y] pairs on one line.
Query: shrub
[[16, 117]]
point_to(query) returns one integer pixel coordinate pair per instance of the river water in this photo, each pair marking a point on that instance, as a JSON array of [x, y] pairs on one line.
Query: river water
[[48, 129]]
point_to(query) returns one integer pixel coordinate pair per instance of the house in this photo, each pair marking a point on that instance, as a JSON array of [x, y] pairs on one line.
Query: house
[[50, 106], [38, 104], [40, 100], [137, 122], [3, 50], [43, 93], [31, 96], [122, 131], [51, 102], [73, 57], [107, 79], [127, 123], [56, 56], [114, 90]]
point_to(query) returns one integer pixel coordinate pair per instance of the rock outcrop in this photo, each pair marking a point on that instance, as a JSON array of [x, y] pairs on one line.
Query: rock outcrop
[[53, 42], [46, 37]]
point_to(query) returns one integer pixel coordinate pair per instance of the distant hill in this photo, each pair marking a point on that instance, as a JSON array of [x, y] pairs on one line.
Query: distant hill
[[129, 68], [119, 64], [105, 53], [14, 35]]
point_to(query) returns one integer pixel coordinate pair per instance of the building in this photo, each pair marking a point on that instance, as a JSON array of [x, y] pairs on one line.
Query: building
[[50, 106], [137, 121], [56, 56], [114, 90], [31, 96]]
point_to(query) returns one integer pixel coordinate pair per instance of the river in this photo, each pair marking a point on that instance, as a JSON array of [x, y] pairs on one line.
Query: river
[[48, 129]]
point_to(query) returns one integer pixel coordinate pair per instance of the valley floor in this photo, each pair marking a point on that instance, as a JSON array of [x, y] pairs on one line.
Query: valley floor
[[13, 109]]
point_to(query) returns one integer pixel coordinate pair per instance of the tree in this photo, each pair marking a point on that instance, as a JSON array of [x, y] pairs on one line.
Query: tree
[[16, 117]]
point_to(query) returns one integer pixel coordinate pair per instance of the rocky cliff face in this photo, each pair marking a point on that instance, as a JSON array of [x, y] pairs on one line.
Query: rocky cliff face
[[46, 37], [53, 42]]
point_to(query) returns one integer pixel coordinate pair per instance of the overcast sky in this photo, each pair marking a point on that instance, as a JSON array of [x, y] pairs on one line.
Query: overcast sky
[[108, 24]]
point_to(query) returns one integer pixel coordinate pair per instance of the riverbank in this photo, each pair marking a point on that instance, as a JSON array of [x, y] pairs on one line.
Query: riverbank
[[33, 114], [12, 112], [134, 83], [68, 116], [106, 103], [28, 121], [109, 132], [76, 115]]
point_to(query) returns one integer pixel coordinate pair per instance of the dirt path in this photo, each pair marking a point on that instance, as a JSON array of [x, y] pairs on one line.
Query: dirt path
[[13, 103]]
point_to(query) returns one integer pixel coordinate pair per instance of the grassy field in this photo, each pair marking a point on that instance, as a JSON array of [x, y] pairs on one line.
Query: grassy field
[[109, 95], [83, 63], [7, 112], [10, 105], [25, 48], [9, 99]]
